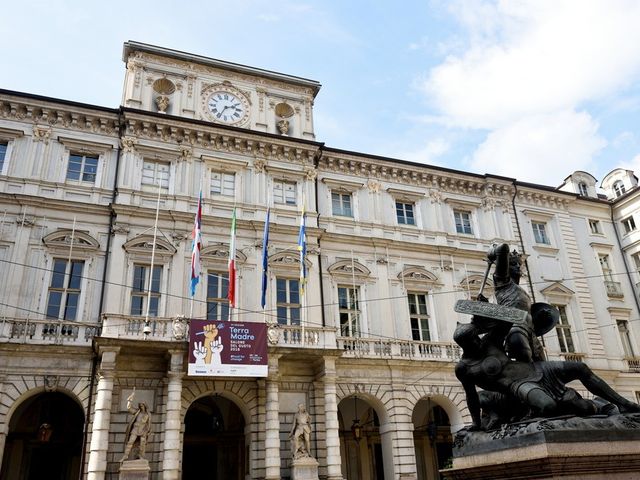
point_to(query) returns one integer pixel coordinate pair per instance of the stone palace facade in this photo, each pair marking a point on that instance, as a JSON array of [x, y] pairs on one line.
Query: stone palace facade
[[391, 245]]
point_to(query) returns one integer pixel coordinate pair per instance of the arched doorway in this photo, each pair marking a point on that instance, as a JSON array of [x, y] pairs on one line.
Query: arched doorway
[[432, 439], [214, 444], [45, 439], [360, 443]]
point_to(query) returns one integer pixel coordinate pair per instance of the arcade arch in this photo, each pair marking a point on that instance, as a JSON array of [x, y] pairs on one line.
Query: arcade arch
[[44, 439]]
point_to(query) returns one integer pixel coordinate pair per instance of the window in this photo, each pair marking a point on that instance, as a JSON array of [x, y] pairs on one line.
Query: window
[[284, 192], [217, 296], [223, 183], [619, 188], [288, 301], [155, 174], [419, 317], [463, 221], [341, 204], [582, 188], [64, 290], [563, 329], [594, 225], [82, 168], [404, 213], [629, 224], [3, 154], [349, 310], [606, 267], [540, 233], [623, 329], [140, 289], [636, 261]]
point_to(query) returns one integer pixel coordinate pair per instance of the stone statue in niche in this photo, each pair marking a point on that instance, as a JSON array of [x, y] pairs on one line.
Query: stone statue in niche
[[138, 429], [503, 357], [162, 103], [283, 127], [300, 434]]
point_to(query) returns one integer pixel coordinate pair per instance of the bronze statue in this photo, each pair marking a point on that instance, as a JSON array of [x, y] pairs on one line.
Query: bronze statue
[[300, 434], [540, 386], [502, 355], [138, 429]]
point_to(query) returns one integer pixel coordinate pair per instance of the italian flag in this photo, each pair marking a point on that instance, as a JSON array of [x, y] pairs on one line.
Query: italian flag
[[232, 262]]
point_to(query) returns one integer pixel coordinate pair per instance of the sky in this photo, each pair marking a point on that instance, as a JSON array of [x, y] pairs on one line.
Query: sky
[[531, 89]]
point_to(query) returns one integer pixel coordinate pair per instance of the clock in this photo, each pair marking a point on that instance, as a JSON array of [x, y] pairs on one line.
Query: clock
[[225, 105]]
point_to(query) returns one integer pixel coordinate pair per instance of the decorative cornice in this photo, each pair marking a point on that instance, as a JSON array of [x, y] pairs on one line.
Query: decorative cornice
[[46, 115], [434, 180], [208, 137]]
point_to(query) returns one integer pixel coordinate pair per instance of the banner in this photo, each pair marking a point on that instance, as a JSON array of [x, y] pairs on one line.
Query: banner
[[227, 349]]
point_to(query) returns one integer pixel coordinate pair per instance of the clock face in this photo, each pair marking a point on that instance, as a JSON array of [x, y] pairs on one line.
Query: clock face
[[226, 107]]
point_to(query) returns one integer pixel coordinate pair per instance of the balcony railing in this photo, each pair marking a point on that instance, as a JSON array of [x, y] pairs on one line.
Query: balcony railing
[[126, 326], [633, 364], [573, 356], [614, 289], [296, 336], [398, 349], [46, 332]]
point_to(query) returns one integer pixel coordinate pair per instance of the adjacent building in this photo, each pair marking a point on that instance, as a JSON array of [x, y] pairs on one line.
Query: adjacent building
[[365, 345]]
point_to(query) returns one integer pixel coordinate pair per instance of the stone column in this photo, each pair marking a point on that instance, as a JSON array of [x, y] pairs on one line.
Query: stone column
[[272, 422], [332, 426], [102, 416], [172, 424]]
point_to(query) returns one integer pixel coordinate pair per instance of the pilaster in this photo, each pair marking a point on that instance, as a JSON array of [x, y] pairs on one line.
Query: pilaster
[[171, 447], [272, 422], [332, 426], [102, 415]]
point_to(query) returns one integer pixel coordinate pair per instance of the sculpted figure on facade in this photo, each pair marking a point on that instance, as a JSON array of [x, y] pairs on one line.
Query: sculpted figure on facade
[[138, 429], [300, 434], [503, 356]]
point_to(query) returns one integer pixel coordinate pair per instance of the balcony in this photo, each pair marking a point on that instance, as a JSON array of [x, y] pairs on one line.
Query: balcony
[[46, 332], [573, 357], [633, 364], [128, 327], [296, 336], [358, 347], [614, 289]]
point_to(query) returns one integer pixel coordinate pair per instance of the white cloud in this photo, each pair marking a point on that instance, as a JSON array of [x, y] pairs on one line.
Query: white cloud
[[541, 148], [428, 154], [633, 164], [534, 57]]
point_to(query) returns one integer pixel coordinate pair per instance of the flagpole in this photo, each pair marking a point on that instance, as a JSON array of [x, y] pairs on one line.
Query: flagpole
[[232, 265], [66, 283], [147, 329], [265, 261]]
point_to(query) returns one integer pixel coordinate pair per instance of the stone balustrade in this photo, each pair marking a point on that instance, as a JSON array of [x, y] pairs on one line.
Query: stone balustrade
[[398, 349], [308, 337], [46, 332], [127, 326]]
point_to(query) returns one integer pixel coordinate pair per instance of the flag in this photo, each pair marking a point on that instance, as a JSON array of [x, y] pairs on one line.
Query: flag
[[265, 259], [196, 235], [232, 262], [302, 248]]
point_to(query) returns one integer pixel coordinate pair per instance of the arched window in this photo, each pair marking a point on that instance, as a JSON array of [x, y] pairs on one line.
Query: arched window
[[618, 188], [584, 191]]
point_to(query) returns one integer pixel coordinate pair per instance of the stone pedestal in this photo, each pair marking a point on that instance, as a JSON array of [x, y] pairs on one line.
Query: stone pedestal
[[134, 470], [305, 468], [569, 449]]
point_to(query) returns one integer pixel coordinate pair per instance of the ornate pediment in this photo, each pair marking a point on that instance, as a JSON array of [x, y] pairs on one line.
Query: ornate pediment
[[141, 247], [418, 277], [473, 282], [349, 269], [287, 260], [557, 293], [64, 239], [219, 253]]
